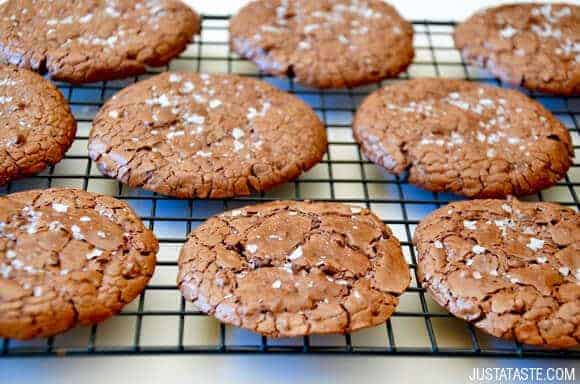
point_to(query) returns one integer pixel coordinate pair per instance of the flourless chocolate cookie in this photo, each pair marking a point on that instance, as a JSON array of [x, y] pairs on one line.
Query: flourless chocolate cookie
[[463, 137], [94, 40], [207, 136], [511, 268], [37, 127], [294, 268], [68, 257], [324, 43], [533, 45]]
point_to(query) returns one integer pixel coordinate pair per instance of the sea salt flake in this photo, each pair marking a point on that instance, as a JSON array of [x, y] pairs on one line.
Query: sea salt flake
[[270, 28], [214, 103], [172, 135], [86, 18], [37, 291], [85, 219], [237, 133], [508, 32], [5, 271], [193, 118], [564, 271], [438, 244], [10, 254], [174, 78], [542, 259], [469, 224], [58, 207], [477, 275], [203, 154], [76, 232], [535, 244], [187, 87], [310, 28], [296, 254], [355, 210], [94, 253], [238, 146], [277, 284], [252, 248], [478, 250]]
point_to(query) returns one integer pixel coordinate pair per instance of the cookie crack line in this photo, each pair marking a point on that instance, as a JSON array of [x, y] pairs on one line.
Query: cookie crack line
[[531, 45], [312, 299], [96, 45], [519, 281], [202, 144], [324, 46], [496, 142], [64, 246]]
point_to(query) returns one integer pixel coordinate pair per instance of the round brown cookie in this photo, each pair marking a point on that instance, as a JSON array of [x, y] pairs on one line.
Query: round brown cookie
[[463, 137], [324, 43], [94, 40], [190, 135], [294, 268], [37, 125], [68, 257], [533, 45], [511, 268]]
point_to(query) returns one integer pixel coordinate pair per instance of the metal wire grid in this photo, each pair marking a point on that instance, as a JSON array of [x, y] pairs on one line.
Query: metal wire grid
[[161, 322]]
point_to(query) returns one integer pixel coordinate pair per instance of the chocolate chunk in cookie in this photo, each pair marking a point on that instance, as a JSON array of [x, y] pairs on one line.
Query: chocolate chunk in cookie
[[533, 45], [96, 40], [37, 125], [510, 268], [294, 268], [207, 136], [68, 257], [323, 43], [463, 137]]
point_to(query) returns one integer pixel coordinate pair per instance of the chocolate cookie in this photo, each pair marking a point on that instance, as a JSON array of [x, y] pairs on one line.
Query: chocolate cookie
[[463, 137], [94, 40], [68, 257], [324, 43], [533, 45], [510, 268], [294, 268], [190, 135], [37, 125]]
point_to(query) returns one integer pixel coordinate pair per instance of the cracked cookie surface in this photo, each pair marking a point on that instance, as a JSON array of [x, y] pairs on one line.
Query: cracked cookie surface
[[206, 136], [536, 46], [324, 43], [68, 257], [292, 268], [511, 268], [37, 125], [463, 137], [95, 40]]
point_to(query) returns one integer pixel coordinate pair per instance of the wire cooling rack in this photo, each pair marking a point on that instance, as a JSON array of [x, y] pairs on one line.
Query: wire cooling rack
[[161, 322]]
